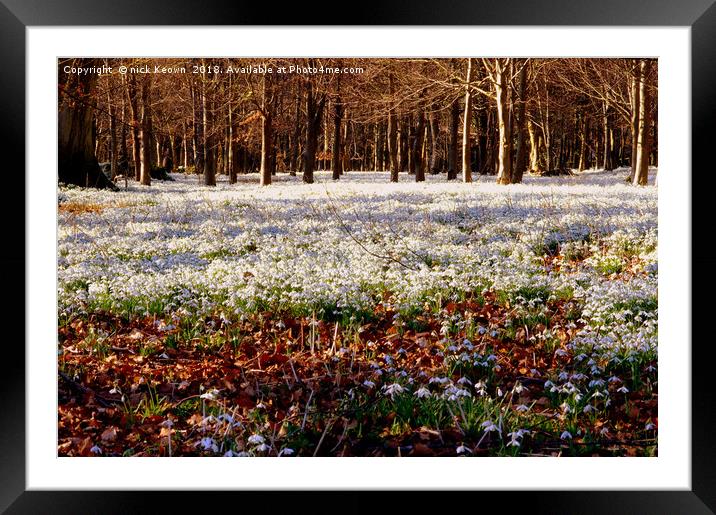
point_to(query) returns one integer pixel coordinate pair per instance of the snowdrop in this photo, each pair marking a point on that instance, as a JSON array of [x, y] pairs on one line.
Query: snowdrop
[[209, 444], [422, 392], [392, 390], [462, 450], [211, 395], [489, 426], [256, 439]]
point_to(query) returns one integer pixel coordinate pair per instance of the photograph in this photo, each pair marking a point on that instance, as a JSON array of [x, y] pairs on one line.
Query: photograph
[[357, 256]]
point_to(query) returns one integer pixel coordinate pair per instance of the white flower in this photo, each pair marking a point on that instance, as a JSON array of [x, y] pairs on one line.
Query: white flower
[[649, 426], [422, 392], [256, 439], [263, 447], [515, 437], [623, 389], [462, 449], [488, 426], [522, 408], [95, 449], [286, 451], [369, 384], [392, 390], [208, 443], [210, 395], [566, 435], [225, 417]]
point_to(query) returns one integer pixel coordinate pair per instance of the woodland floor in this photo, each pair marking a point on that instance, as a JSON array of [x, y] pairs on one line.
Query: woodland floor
[[359, 319]]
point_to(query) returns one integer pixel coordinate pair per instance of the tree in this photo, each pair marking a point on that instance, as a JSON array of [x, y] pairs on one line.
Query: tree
[[315, 103], [207, 132], [641, 173], [337, 164], [266, 130], [417, 143], [77, 163], [145, 133], [502, 71], [520, 125], [392, 132], [466, 121]]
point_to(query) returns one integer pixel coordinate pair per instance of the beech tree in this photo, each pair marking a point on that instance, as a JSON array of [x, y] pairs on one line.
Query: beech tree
[[467, 120], [145, 138], [641, 172], [76, 160]]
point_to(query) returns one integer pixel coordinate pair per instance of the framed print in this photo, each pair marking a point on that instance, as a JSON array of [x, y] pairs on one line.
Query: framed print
[[326, 248]]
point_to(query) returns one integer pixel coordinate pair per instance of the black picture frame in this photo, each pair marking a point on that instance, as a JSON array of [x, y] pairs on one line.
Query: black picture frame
[[17, 15]]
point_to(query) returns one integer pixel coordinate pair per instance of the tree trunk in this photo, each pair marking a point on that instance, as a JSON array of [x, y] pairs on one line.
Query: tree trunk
[[504, 172], [467, 120], [231, 158], [454, 134], [481, 121], [266, 132], [402, 144], [314, 110], [583, 143], [145, 175], [635, 104], [336, 164], [199, 150], [133, 96], [77, 163], [345, 154], [123, 137], [418, 146], [534, 148], [434, 139], [208, 135], [392, 133], [112, 137], [641, 174], [521, 154], [607, 162]]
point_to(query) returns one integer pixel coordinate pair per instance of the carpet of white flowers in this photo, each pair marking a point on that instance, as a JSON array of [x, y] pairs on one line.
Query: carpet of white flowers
[[359, 317]]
